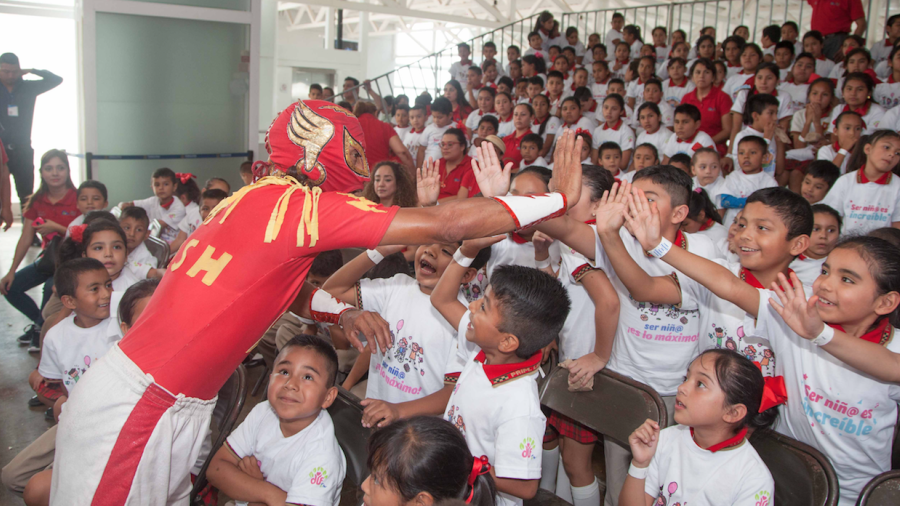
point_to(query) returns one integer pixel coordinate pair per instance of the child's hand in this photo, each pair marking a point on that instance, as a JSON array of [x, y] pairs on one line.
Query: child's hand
[[643, 443], [643, 220], [769, 131], [35, 379], [492, 177], [800, 314], [378, 413], [584, 368], [545, 352], [613, 206], [48, 227], [428, 183], [390, 250], [251, 467], [813, 113], [542, 244], [471, 247]]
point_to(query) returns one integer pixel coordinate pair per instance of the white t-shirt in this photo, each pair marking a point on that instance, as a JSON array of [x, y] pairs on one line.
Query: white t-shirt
[[537, 162], [882, 70], [768, 168], [430, 139], [824, 66], [887, 94], [552, 128], [460, 72], [309, 465], [171, 216], [506, 128], [654, 343], [837, 71], [635, 90], [674, 146], [191, 219], [683, 473], [611, 36], [511, 252], [797, 92], [623, 135], [865, 206], [414, 366], [891, 119], [872, 118], [784, 104], [661, 53], [401, 132], [881, 50], [667, 118], [125, 280], [658, 139], [736, 83], [140, 261], [799, 121], [600, 91], [69, 350], [807, 269], [412, 141], [474, 117], [578, 335], [741, 185], [713, 190], [497, 409], [716, 232], [847, 415], [829, 153]]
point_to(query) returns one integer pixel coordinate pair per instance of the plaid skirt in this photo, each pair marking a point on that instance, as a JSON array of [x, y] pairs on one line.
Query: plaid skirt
[[566, 427], [50, 391]]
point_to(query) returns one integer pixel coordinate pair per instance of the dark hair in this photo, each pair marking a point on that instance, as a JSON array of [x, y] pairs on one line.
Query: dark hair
[[755, 48], [389, 267], [423, 100], [826, 209], [821, 80], [136, 213], [558, 50], [755, 139], [190, 189], [492, 120], [674, 60], [405, 195], [633, 30], [427, 454], [844, 114], [795, 212], [460, 95], [757, 104], [688, 109], [583, 94], [773, 32], [69, 249], [97, 185], [442, 105], [705, 38], [327, 263], [736, 28], [476, 69], [552, 73], [214, 194], [533, 306], [682, 158], [463, 44], [700, 202], [663, 28], [598, 179], [743, 383], [140, 290], [540, 66], [246, 167], [210, 180], [417, 107], [654, 81], [792, 25], [855, 51], [616, 80], [737, 39], [570, 30], [66, 276], [884, 265], [569, 49], [543, 173], [99, 214], [507, 81], [404, 107], [9, 58], [165, 172], [535, 139], [490, 91], [648, 105], [858, 159], [602, 63], [43, 189], [815, 34], [824, 170], [651, 147], [315, 86], [813, 58], [354, 80], [320, 347], [460, 135], [489, 43], [786, 44], [674, 181], [889, 234], [615, 97], [702, 151], [618, 15], [609, 146]]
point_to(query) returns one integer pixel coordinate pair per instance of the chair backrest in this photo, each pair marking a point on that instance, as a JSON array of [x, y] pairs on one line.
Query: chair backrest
[[615, 407], [803, 476], [225, 414], [883, 490], [155, 228], [346, 414], [159, 249]]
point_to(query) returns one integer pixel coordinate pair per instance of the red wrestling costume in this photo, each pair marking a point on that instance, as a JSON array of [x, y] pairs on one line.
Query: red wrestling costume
[[232, 278]]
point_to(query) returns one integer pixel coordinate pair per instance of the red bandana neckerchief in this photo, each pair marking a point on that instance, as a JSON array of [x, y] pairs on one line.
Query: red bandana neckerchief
[[502, 373], [413, 130], [682, 85], [728, 443], [862, 179], [167, 206], [708, 225], [614, 127], [881, 334], [748, 277]]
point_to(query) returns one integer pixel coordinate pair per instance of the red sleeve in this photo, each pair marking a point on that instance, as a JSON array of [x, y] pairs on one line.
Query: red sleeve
[[389, 131], [470, 183], [725, 103], [856, 10], [346, 221], [3, 151], [31, 213]]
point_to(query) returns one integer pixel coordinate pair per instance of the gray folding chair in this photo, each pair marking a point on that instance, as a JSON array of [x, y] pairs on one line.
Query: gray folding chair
[[346, 414], [803, 476], [155, 228], [225, 414], [159, 249], [883, 490]]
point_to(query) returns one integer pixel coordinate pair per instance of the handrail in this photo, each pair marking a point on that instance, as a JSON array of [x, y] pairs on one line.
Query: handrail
[[430, 72]]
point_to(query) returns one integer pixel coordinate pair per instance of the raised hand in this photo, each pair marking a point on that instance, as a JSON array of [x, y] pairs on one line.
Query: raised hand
[[378, 413], [492, 177], [613, 206], [371, 325], [643, 443], [541, 244], [643, 220], [800, 314], [428, 183], [471, 247], [567, 166]]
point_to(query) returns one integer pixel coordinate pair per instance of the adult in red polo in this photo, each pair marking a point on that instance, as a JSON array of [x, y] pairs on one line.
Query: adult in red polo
[[714, 104], [834, 18], [382, 141], [455, 167], [134, 427]]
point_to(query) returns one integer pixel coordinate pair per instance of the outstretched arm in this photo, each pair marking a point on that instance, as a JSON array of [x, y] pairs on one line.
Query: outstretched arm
[[643, 219], [342, 284]]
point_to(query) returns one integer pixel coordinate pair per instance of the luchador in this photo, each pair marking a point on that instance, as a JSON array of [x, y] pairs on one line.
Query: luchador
[[133, 428]]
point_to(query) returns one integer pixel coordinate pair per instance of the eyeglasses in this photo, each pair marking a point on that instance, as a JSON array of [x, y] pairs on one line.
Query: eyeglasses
[[449, 144]]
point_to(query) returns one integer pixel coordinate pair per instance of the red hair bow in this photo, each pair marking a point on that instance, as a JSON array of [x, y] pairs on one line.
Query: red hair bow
[[583, 131], [184, 177], [461, 124], [774, 391], [538, 54], [77, 233], [479, 466]]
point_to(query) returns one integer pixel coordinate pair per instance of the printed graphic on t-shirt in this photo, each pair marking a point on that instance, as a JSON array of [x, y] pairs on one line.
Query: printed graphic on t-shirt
[[662, 499], [407, 358], [755, 351], [318, 477], [671, 322], [763, 498], [832, 416], [868, 212], [529, 449], [473, 290], [74, 374], [454, 417]]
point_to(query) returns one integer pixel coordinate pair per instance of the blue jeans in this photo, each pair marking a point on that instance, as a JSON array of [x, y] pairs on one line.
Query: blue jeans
[[27, 278]]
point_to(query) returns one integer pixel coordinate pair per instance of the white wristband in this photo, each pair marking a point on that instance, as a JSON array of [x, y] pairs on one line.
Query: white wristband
[[843, 151], [661, 249], [542, 264], [529, 210], [638, 472], [375, 256], [461, 259], [824, 337]]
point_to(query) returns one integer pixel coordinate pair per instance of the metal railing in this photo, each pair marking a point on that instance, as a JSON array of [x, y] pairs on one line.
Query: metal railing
[[430, 73]]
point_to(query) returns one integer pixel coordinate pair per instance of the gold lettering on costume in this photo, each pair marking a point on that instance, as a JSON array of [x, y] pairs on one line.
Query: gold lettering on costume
[[362, 203], [212, 267], [184, 249]]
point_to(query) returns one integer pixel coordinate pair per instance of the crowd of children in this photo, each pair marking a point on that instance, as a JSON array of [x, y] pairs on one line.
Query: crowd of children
[[734, 248]]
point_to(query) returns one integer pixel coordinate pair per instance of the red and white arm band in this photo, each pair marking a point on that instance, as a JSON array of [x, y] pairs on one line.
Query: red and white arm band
[[325, 308], [529, 210]]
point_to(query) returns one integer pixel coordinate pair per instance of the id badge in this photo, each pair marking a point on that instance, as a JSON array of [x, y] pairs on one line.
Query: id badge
[[12, 111]]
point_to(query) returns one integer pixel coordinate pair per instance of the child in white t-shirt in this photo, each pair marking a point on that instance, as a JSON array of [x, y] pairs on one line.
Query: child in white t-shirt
[[485, 102], [677, 85], [848, 129], [856, 90], [645, 155], [797, 87], [417, 118], [747, 177], [760, 118], [721, 397], [189, 194], [825, 234], [209, 199], [91, 196], [650, 128], [430, 140], [614, 35], [634, 93], [614, 130], [285, 451], [869, 197], [887, 93], [707, 172], [688, 138], [703, 218], [163, 206], [140, 261], [530, 148], [653, 95]]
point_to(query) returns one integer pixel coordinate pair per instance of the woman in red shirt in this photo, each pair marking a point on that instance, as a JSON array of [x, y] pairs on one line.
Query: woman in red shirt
[[390, 185], [48, 212], [455, 94], [714, 104], [457, 177], [523, 118]]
